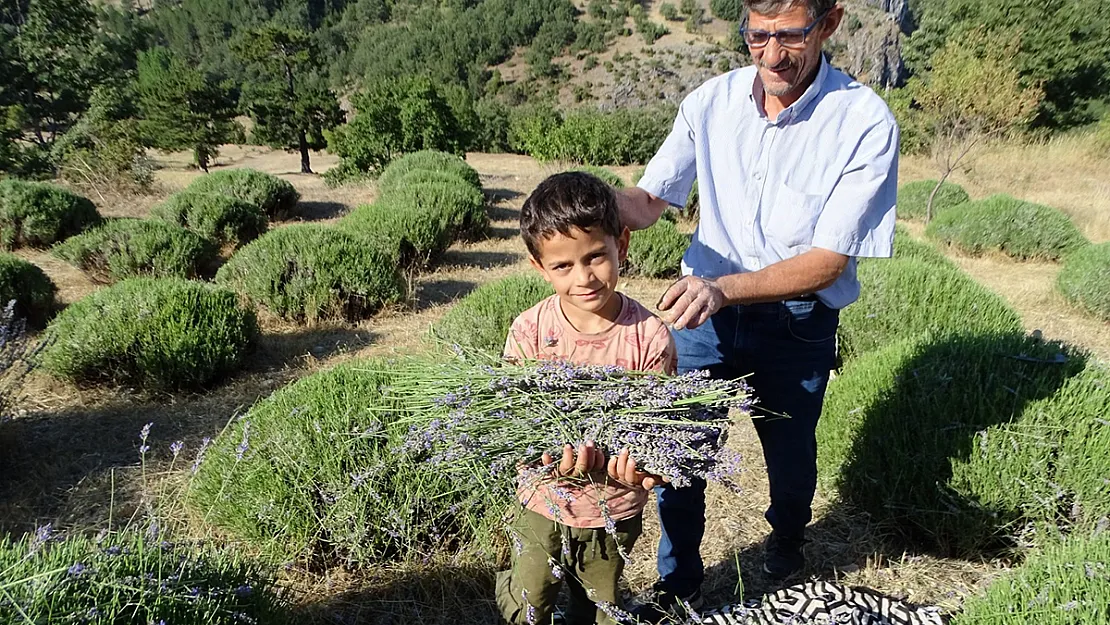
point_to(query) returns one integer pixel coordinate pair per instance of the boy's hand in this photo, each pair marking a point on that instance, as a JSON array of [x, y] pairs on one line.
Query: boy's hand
[[588, 459], [622, 468]]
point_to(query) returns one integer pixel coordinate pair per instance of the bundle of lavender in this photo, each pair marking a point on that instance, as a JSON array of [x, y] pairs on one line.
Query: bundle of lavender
[[482, 422]]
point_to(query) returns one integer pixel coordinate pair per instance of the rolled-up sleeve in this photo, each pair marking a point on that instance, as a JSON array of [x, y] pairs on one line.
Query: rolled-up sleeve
[[858, 217], [672, 171]]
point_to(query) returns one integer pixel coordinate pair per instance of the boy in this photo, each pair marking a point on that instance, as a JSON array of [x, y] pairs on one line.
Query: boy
[[575, 240]]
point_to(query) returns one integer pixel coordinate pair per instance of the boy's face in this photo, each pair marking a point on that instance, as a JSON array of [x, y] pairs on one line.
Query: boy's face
[[583, 267]]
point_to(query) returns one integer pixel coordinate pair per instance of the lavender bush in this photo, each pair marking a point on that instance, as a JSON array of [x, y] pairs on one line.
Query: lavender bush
[[16, 356], [131, 577], [387, 461]]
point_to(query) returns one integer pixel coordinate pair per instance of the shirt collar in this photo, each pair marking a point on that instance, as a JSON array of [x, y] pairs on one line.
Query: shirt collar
[[791, 111]]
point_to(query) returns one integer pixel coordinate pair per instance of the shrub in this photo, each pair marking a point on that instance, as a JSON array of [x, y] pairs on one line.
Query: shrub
[[481, 320], [309, 272], [420, 220], [905, 246], [908, 297], [126, 248], [605, 175], [126, 577], [617, 137], [1022, 230], [1064, 584], [429, 160], [319, 477], [37, 214], [1085, 279], [221, 219], [669, 11], [913, 198], [944, 438], [728, 10], [160, 333], [393, 117], [656, 252], [276, 197], [28, 286]]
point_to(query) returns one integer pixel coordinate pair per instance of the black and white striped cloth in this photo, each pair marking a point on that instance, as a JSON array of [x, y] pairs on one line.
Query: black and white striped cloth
[[821, 603]]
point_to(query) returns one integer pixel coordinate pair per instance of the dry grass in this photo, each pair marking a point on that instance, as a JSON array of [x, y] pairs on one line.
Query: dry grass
[[1063, 172], [72, 456]]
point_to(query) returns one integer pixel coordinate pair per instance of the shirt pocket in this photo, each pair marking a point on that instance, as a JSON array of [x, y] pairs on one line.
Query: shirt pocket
[[793, 217]]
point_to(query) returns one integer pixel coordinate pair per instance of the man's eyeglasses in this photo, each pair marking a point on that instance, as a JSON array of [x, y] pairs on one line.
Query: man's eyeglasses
[[788, 37]]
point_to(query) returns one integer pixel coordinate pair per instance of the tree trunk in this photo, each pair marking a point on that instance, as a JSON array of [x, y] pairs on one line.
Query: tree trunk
[[305, 169], [200, 154]]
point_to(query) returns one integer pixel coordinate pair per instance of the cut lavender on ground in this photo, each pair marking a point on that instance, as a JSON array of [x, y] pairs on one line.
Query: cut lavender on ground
[[483, 421]]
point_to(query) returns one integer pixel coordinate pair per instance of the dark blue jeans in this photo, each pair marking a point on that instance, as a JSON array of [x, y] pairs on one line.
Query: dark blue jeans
[[788, 348]]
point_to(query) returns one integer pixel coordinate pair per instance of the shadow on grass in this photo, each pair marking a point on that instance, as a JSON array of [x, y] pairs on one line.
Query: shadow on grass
[[313, 210], [919, 431], [430, 595], [305, 346], [482, 260], [501, 194], [434, 293]]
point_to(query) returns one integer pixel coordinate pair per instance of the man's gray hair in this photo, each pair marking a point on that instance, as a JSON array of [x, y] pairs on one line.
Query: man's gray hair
[[816, 8]]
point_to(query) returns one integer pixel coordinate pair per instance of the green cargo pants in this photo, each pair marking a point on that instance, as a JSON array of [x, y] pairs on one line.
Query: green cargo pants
[[591, 570]]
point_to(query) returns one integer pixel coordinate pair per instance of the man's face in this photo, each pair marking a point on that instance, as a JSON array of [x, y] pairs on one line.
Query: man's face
[[786, 71]]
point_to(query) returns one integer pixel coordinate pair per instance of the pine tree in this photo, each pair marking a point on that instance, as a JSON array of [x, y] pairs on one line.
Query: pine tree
[[284, 93], [183, 108]]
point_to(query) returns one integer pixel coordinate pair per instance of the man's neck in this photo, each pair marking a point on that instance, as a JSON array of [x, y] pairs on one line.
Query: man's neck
[[774, 105]]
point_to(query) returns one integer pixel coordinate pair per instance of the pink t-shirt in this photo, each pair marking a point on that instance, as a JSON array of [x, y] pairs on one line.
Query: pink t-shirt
[[637, 340]]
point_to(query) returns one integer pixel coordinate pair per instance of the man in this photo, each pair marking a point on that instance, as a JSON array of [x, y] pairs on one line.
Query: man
[[797, 168]]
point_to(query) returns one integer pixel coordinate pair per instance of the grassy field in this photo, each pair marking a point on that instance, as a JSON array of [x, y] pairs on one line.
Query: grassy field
[[71, 455]]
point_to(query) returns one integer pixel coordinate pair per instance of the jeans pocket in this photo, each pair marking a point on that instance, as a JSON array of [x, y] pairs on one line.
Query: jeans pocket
[[811, 321]]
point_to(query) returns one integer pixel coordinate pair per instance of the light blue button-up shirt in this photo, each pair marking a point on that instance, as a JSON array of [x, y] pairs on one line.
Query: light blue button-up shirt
[[823, 174]]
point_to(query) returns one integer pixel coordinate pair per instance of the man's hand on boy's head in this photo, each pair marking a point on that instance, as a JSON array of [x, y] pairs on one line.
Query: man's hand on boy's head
[[588, 459], [622, 467]]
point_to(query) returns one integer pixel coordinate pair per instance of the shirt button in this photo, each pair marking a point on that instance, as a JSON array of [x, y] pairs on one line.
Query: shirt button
[[758, 176]]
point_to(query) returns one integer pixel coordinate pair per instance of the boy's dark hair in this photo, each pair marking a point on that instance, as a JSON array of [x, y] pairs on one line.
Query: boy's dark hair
[[573, 199]]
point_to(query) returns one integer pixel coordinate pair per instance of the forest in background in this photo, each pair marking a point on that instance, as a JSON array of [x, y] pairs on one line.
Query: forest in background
[[87, 89]]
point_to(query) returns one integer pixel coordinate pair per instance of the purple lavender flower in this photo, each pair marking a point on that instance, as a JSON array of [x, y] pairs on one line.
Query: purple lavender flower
[[143, 435], [175, 448], [76, 570], [113, 550], [153, 531], [614, 612], [243, 591], [42, 536], [556, 570], [200, 454], [241, 448]]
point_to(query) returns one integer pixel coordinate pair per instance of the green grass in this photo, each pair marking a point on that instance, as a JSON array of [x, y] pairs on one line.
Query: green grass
[[430, 160], [913, 198], [37, 214], [1085, 279], [1019, 229], [481, 320], [909, 297], [156, 333], [1064, 584], [128, 248], [905, 246], [128, 578], [307, 272], [276, 197], [955, 440], [29, 287], [656, 252], [605, 175], [320, 478], [221, 219]]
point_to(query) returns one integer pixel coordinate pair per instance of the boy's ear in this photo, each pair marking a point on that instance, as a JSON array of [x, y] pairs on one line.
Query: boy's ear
[[538, 267], [622, 244]]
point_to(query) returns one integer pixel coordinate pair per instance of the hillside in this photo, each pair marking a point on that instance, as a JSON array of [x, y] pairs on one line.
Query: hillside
[[632, 73]]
